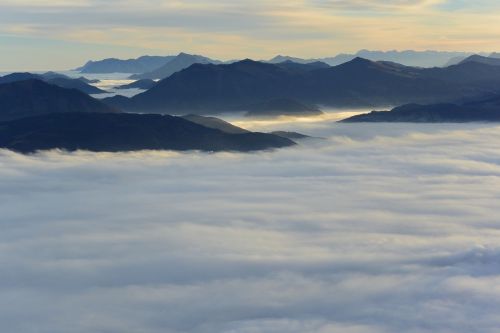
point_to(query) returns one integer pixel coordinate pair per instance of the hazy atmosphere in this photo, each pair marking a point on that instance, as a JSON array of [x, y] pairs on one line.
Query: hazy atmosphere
[[62, 34]]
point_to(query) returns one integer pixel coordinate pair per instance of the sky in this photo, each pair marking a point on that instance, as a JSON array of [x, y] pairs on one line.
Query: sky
[[342, 235], [63, 34]]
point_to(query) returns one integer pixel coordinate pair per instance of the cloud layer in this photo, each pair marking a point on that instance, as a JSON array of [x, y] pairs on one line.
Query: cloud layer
[[375, 229], [236, 29]]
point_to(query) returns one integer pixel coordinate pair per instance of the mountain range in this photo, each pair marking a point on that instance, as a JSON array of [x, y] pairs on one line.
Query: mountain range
[[175, 64], [481, 59], [149, 66], [125, 132], [487, 109], [33, 97], [210, 89], [57, 79], [408, 57], [112, 65], [36, 115]]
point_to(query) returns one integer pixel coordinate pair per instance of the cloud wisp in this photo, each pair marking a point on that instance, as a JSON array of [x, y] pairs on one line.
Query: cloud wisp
[[372, 230], [228, 29]]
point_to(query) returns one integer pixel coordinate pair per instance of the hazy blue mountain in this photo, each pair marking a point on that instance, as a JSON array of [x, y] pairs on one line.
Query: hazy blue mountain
[[413, 58], [338, 59], [408, 58], [176, 64], [205, 89], [144, 84], [484, 60], [481, 110], [280, 59], [33, 97], [125, 132], [54, 75], [112, 65], [60, 80], [330, 61], [455, 60], [495, 55]]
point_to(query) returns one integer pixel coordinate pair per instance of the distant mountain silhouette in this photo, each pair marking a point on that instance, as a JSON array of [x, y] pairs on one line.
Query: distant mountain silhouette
[[331, 61], [54, 75], [176, 64], [125, 132], [483, 60], [481, 110], [144, 84], [33, 97], [280, 59], [211, 89], [408, 58], [495, 55], [57, 79], [111, 65]]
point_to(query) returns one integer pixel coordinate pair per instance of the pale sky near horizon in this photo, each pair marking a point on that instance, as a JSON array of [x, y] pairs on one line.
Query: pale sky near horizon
[[62, 34]]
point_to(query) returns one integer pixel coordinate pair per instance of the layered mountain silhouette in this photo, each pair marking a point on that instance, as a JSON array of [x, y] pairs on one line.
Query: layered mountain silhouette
[[205, 89], [33, 97], [176, 64], [54, 75], [125, 132], [408, 58], [480, 110], [112, 65], [144, 84], [57, 79], [493, 61]]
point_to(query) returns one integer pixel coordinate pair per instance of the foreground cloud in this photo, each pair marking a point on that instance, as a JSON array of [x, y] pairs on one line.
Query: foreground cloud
[[376, 229]]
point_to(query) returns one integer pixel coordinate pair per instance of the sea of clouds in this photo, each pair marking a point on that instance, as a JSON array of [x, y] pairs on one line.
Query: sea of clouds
[[381, 228]]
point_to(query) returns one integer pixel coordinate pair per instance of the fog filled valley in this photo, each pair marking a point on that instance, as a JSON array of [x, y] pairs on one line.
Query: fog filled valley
[[373, 228], [183, 194]]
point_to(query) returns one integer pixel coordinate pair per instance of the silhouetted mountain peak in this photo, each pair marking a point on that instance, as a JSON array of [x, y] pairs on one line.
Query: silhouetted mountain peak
[[492, 61], [126, 132], [31, 97]]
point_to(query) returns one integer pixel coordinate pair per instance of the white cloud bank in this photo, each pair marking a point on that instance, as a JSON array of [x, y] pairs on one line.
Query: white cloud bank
[[373, 230]]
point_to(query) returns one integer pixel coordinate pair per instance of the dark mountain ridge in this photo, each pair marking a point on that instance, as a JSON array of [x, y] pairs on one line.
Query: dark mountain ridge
[[125, 132], [480, 110], [491, 60], [209, 88], [34, 97], [54, 78]]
